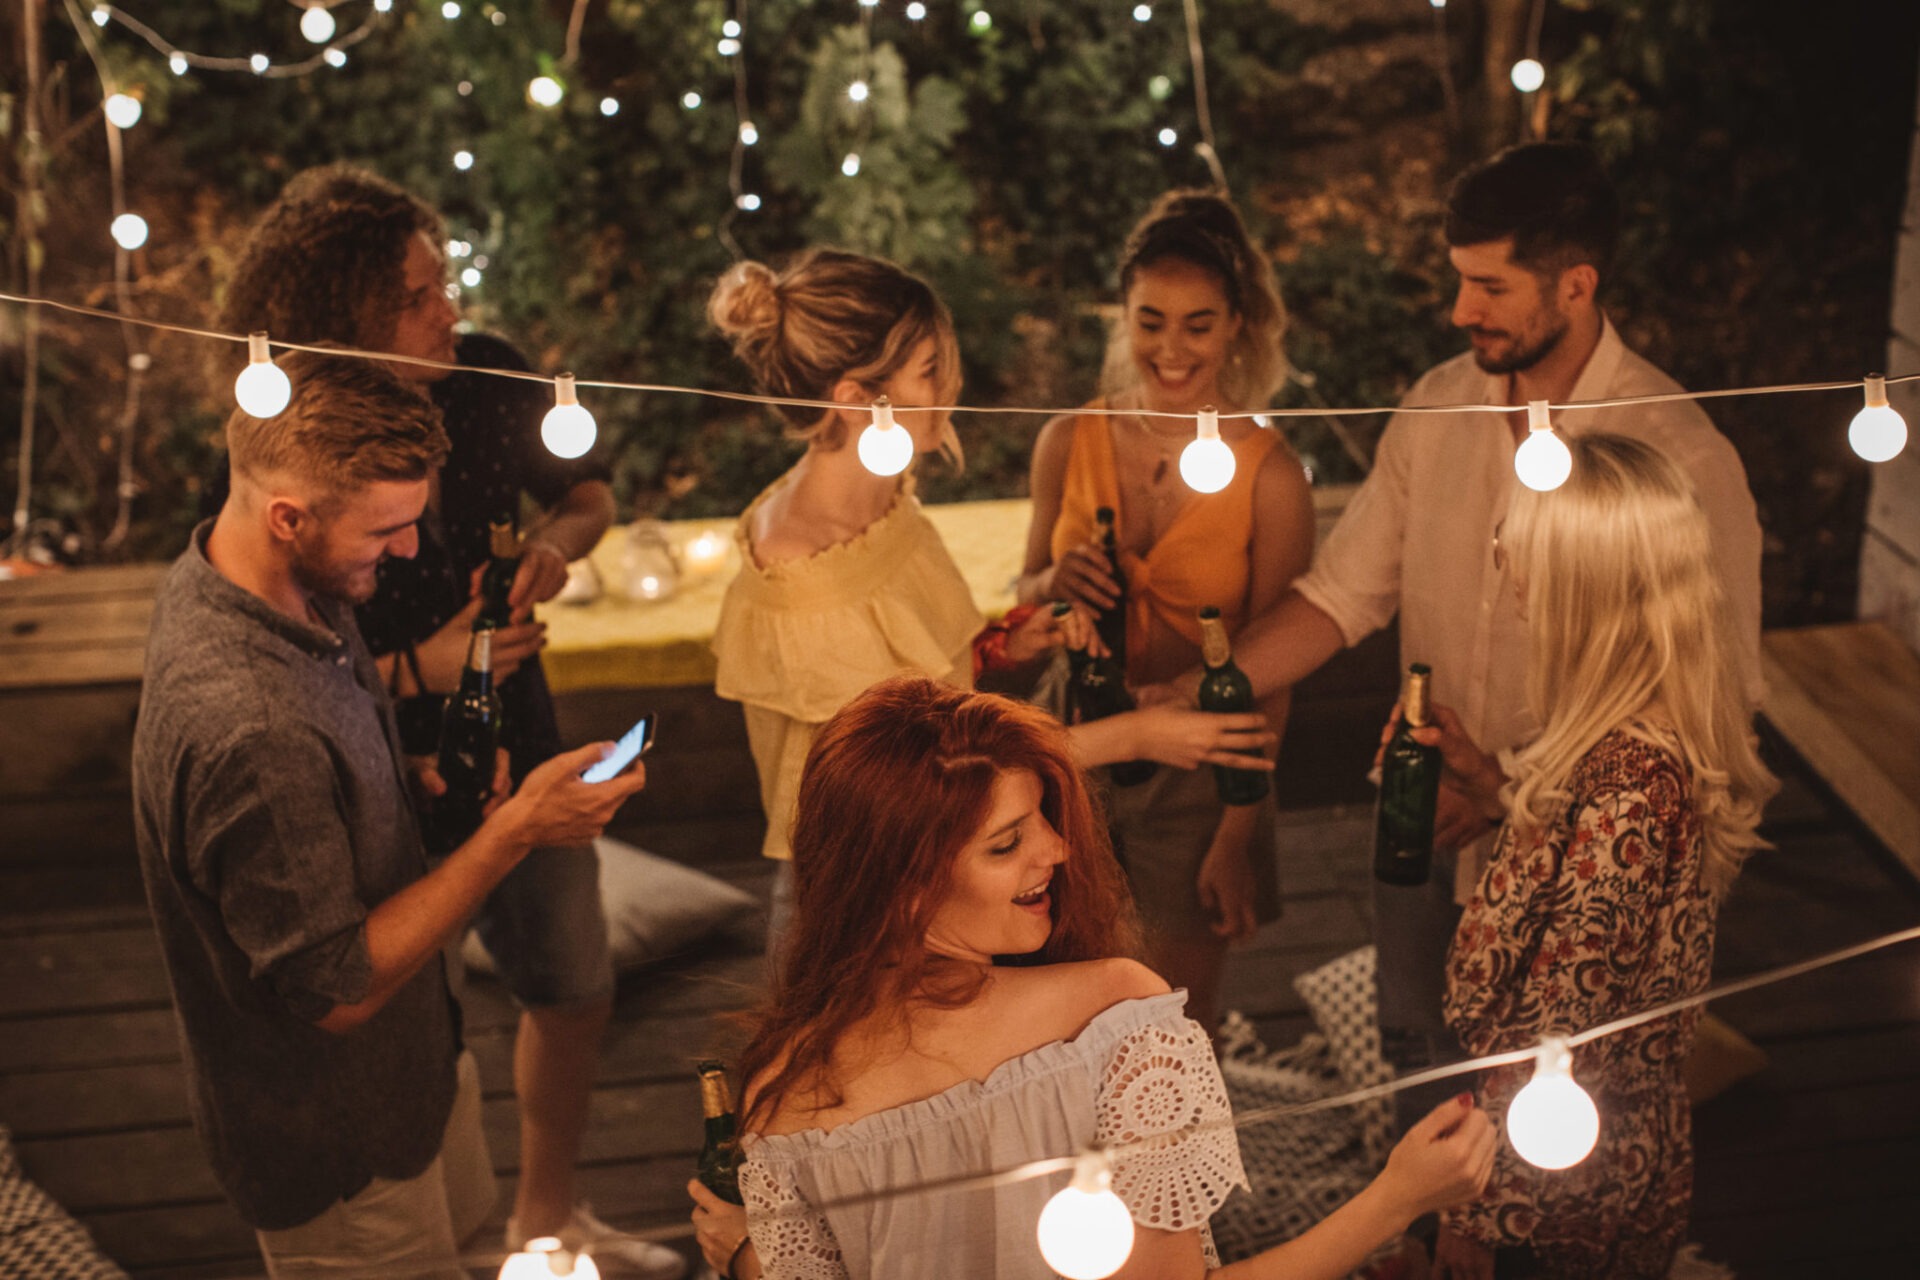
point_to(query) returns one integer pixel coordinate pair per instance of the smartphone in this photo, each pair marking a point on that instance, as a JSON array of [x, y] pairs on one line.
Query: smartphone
[[632, 743]]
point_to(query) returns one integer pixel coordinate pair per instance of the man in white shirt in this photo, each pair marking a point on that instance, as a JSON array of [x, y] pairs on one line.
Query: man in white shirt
[[1531, 233]]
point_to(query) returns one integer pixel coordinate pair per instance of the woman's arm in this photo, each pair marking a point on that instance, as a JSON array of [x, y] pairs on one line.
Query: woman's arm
[[1083, 574]]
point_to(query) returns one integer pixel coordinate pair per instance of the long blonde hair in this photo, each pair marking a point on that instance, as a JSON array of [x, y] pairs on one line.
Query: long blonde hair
[[1625, 610]]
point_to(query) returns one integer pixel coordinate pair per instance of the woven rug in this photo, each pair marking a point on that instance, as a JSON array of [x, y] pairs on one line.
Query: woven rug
[[38, 1240]]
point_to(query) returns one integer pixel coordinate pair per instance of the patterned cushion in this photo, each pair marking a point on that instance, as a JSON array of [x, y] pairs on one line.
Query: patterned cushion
[[1340, 996], [37, 1238]]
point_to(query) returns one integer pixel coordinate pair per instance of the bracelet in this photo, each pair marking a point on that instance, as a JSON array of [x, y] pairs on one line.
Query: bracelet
[[734, 1257]]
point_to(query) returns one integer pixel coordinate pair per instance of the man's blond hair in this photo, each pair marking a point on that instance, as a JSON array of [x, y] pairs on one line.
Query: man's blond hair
[[351, 423]]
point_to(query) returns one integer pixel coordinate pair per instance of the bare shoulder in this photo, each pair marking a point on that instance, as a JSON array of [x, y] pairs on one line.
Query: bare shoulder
[[1053, 446], [1057, 1001]]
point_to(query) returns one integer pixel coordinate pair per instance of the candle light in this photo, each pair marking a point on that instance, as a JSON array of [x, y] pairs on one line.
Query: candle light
[[705, 552]]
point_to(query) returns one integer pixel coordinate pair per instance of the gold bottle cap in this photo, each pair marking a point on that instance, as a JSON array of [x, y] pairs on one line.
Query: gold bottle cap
[[480, 650], [502, 541], [1215, 649], [715, 1099], [1414, 705]]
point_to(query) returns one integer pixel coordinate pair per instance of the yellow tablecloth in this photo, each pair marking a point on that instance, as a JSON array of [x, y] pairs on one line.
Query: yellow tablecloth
[[618, 642]]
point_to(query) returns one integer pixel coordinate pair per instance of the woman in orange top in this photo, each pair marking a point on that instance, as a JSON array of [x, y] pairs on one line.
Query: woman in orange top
[[1202, 327]]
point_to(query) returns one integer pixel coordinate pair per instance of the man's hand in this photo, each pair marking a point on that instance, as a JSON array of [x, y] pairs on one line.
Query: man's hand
[[442, 654], [553, 807], [543, 571], [1186, 739]]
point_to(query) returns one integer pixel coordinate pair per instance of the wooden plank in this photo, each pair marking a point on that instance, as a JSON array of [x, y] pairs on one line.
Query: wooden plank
[[1872, 992], [54, 622], [50, 1104], [120, 662], [101, 969], [92, 583], [62, 1041]]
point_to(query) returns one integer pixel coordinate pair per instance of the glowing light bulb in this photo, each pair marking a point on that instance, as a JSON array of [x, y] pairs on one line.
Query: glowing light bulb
[[885, 447], [1438, 4], [1085, 1230], [730, 29], [981, 21], [498, 18], [1528, 75], [262, 387], [728, 47], [1207, 464], [470, 277], [123, 110], [100, 16], [1878, 431], [177, 63], [868, 4], [568, 430], [545, 1258], [609, 106], [259, 63], [1168, 137], [464, 88], [748, 201], [858, 91], [1159, 88], [463, 160], [458, 248], [450, 10], [916, 11], [1542, 461], [382, 6], [129, 231], [545, 91], [317, 25], [690, 100], [1552, 1122], [335, 57], [850, 164], [1142, 12], [748, 134]]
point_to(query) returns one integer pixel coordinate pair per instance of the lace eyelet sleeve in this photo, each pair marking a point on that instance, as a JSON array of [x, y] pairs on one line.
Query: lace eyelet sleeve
[[794, 1242], [1161, 1082]]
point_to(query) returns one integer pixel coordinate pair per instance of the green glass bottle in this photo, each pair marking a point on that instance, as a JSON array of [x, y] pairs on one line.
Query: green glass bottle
[[719, 1168], [1112, 622], [1225, 687], [1409, 792], [1096, 689], [496, 581], [469, 745]]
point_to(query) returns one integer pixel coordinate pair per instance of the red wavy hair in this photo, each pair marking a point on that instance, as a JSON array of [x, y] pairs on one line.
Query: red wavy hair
[[896, 784]]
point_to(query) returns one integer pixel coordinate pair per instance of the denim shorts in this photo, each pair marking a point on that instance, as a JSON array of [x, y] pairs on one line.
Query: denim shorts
[[546, 931]]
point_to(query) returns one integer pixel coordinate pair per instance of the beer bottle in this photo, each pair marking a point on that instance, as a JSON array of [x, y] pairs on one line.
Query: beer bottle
[[1409, 792], [1096, 689], [1112, 623], [469, 744], [719, 1168], [496, 581], [1225, 687]]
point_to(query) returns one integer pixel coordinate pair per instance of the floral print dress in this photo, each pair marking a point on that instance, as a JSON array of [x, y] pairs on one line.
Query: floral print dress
[[1599, 914]]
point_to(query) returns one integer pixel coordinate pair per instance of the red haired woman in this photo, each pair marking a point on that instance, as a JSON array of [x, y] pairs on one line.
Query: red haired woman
[[940, 834]]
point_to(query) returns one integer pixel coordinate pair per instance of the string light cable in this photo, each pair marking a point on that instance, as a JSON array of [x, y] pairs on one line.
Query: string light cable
[[259, 64], [1197, 56]]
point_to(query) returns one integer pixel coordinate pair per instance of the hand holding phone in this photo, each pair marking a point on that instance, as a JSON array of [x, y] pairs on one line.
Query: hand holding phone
[[632, 744]]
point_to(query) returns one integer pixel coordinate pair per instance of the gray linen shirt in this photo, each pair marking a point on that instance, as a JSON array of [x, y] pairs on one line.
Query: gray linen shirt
[[272, 816]]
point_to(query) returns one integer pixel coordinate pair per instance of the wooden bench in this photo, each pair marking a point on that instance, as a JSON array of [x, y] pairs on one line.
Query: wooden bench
[[1847, 698]]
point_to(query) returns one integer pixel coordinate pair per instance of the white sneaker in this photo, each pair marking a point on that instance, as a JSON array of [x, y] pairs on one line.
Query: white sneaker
[[613, 1251]]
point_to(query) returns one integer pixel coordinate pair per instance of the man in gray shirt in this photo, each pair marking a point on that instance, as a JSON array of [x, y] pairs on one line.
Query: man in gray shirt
[[302, 928]]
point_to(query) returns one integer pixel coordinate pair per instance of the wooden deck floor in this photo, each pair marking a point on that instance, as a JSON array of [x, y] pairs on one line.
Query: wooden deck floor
[[1805, 1170]]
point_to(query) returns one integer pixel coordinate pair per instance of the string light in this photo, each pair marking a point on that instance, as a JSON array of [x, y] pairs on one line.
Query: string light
[[690, 100], [259, 63], [1543, 462], [730, 29], [177, 63], [1207, 464], [1528, 75], [858, 91], [122, 109], [1159, 88], [262, 388], [1168, 137], [1552, 1122], [728, 47], [543, 1258], [748, 134], [609, 106], [382, 6], [470, 277], [916, 11], [568, 430], [450, 10], [885, 447], [545, 91], [100, 16], [850, 164], [1142, 12], [463, 160], [748, 201], [981, 21], [1086, 1231], [334, 57], [1877, 432], [129, 231], [317, 25]]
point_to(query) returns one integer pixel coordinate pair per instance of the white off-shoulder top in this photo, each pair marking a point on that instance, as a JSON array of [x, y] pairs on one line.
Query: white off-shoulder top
[[1140, 1069]]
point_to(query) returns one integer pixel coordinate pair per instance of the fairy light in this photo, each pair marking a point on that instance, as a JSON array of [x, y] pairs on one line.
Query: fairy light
[[122, 110], [885, 446], [1877, 432], [1552, 1122], [916, 11], [1543, 462], [1168, 137], [177, 63], [1142, 12], [730, 29], [748, 134], [463, 160], [690, 100], [470, 277], [129, 231], [568, 430], [609, 106], [1207, 464], [100, 16], [857, 91], [728, 47], [544, 1258], [1086, 1231], [259, 63], [317, 25], [262, 388], [450, 10], [981, 21], [382, 6], [1528, 75], [545, 91], [748, 201], [1160, 88], [850, 164], [334, 57]]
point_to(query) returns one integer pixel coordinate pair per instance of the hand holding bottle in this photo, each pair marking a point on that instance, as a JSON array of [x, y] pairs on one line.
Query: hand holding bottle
[[441, 654], [1045, 631], [1187, 739], [1478, 773], [1084, 575], [542, 572]]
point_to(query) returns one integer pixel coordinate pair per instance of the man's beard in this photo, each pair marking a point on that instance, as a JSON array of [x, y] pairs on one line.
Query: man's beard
[[1525, 352], [318, 576]]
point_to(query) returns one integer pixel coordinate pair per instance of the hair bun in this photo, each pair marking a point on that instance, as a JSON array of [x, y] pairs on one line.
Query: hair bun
[[746, 305]]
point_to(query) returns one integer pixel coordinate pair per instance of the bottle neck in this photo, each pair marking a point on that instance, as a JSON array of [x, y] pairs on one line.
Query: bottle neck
[[1215, 650], [503, 542], [1413, 707], [478, 675], [715, 1102]]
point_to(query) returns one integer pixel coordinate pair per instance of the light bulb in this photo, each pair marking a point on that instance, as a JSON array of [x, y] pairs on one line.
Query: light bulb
[[458, 248], [1159, 88], [981, 21], [470, 277], [463, 160], [1142, 12], [464, 88], [259, 63], [748, 201], [728, 47], [868, 4], [262, 387], [123, 110], [885, 447], [177, 63], [335, 57], [609, 106], [730, 29], [382, 6], [1086, 1231], [544, 1258], [748, 134], [690, 100], [1542, 461], [916, 11], [545, 91], [1207, 464], [568, 430], [100, 16], [850, 164], [857, 91], [450, 10], [1528, 75], [1438, 4], [498, 18], [317, 25], [129, 231], [1168, 137], [1878, 431], [1552, 1122]]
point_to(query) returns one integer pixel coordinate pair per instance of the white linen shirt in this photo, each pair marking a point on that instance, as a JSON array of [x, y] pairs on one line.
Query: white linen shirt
[[1417, 537]]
